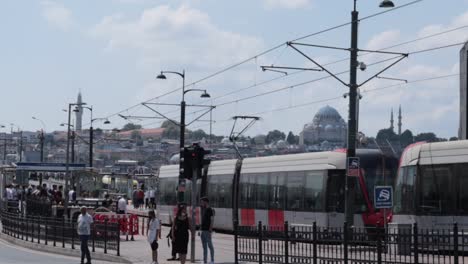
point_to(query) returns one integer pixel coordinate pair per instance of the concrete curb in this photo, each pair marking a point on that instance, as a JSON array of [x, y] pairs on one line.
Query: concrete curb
[[62, 251]]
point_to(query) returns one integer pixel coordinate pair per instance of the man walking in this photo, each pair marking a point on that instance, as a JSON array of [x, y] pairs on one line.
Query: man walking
[[207, 229], [84, 231]]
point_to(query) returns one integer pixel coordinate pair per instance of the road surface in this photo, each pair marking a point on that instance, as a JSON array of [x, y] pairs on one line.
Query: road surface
[[10, 254]]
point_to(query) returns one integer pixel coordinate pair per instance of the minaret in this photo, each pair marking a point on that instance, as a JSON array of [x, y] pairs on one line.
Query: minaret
[[79, 114], [399, 121], [391, 121]]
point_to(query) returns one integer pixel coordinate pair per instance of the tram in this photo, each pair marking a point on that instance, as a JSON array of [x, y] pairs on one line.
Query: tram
[[431, 188], [298, 188]]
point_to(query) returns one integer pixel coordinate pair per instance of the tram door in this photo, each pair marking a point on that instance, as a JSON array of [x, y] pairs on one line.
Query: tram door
[[335, 198]]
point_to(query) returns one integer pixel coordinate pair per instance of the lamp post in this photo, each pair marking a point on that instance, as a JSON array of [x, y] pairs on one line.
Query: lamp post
[[4, 144], [41, 137], [352, 118], [180, 193], [67, 155], [20, 147]]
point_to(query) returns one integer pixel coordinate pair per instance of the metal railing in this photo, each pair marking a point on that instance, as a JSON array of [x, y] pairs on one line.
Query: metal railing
[[404, 244], [59, 232]]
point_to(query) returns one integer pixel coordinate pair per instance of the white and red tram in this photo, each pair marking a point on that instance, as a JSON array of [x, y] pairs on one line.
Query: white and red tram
[[298, 188]]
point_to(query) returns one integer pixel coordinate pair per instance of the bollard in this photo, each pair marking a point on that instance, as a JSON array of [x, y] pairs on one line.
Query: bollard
[[131, 226], [314, 241], [63, 231], [55, 232], [27, 229], [286, 242], [345, 242], [32, 230]]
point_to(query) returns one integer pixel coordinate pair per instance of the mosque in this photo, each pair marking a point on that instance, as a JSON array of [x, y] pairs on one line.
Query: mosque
[[329, 128], [327, 125]]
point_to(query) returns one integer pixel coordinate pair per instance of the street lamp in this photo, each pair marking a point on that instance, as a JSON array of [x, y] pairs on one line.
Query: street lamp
[[21, 140], [387, 4], [91, 133], [180, 193], [41, 137], [67, 163]]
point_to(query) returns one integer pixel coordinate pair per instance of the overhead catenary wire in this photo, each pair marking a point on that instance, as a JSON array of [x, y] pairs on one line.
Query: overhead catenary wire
[[262, 54]]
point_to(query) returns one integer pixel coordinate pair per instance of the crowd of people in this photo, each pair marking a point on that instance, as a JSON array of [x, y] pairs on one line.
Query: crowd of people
[[144, 198], [180, 233]]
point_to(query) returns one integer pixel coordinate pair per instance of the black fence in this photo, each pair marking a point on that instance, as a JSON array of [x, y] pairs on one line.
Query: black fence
[[403, 244], [59, 232]]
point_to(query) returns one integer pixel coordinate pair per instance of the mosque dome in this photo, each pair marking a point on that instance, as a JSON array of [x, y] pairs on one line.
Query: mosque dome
[[327, 125]]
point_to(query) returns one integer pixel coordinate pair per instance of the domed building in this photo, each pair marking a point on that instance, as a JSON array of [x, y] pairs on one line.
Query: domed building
[[327, 125]]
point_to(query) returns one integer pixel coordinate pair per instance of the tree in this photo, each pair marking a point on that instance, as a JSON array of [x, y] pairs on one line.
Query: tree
[[428, 137], [291, 139], [198, 134], [131, 126], [386, 134], [274, 136], [406, 138], [453, 139]]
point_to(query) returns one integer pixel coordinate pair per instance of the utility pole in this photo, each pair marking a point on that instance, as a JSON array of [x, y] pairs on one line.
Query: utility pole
[[352, 117], [73, 147], [91, 135], [21, 146], [41, 142]]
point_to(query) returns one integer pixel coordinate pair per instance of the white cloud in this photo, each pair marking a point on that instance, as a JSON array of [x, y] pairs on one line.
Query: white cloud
[[288, 4], [384, 39], [57, 15], [180, 36]]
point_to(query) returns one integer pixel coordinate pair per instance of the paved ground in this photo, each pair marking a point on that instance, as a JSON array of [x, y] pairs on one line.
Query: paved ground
[[11, 254], [139, 252]]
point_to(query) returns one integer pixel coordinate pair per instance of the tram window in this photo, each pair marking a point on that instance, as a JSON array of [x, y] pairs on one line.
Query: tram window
[[224, 191], [295, 195], [437, 195], [247, 194], [168, 187], [463, 188], [188, 192], [404, 190], [261, 190], [335, 191], [213, 190], [277, 193], [313, 193]]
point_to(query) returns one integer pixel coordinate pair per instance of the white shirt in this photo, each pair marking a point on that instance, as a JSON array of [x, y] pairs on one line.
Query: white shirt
[[153, 230], [147, 195], [152, 193], [84, 224], [122, 205], [14, 194], [9, 194], [70, 195]]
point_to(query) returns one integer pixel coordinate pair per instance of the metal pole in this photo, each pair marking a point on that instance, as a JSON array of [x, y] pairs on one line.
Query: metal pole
[[21, 146], [4, 147], [41, 140], [67, 163], [73, 147], [193, 203], [180, 194], [91, 145], [352, 121]]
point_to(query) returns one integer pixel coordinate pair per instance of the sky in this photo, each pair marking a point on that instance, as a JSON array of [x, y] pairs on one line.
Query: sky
[[112, 50]]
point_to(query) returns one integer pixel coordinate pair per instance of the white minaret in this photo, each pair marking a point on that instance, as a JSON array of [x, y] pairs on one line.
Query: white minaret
[[79, 114], [399, 121], [391, 121]]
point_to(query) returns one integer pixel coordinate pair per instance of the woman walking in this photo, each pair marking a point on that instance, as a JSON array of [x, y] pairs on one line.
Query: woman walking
[[180, 232], [153, 232]]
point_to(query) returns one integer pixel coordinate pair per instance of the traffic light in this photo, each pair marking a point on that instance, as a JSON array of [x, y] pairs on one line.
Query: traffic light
[[194, 159]]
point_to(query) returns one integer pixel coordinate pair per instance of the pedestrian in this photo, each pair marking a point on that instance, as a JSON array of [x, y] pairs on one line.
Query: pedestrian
[[146, 198], [153, 232], [207, 229], [135, 198], [72, 195], [84, 231], [122, 205], [172, 243], [141, 198], [180, 232], [152, 195]]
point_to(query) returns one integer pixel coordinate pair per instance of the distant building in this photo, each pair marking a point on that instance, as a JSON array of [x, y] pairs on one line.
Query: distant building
[[327, 125], [146, 133], [463, 129]]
